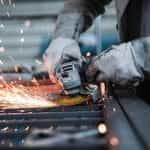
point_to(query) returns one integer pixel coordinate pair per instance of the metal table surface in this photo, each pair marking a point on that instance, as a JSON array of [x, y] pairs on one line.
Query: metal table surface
[[126, 116], [15, 125]]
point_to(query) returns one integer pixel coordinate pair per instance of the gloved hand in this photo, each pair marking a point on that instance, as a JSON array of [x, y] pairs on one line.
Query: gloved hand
[[61, 50], [118, 64]]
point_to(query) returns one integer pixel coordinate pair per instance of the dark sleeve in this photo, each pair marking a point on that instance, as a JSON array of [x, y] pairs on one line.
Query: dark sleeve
[[77, 16]]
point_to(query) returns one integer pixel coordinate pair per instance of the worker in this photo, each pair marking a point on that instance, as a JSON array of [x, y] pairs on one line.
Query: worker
[[126, 63]]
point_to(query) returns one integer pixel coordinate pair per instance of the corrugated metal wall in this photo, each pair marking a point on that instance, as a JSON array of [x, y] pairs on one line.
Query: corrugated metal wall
[[26, 26]]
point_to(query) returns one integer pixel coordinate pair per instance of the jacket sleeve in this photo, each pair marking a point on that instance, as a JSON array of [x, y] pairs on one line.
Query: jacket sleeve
[[77, 16], [141, 55]]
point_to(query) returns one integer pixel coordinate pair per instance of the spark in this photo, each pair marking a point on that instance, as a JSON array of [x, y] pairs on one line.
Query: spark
[[22, 111], [1, 62], [20, 78], [2, 26], [35, 82], [88, 54], [103, 91], [16, 68], [27, 128], [1, 86], [5, 129], [114, 141], [1, 78], [114, 109], [102, 128], [21, 31], [2, 49], [38, 62], [22, 40], [15, 130], [18, 96], [27, 23]]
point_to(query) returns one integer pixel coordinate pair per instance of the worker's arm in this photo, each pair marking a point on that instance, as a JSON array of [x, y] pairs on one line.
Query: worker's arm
[[75, 18], [125, 64]]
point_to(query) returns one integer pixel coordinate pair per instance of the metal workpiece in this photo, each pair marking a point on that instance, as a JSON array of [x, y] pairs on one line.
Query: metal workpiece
[[72, 123], [72, 127], [65, 127], [118, 122]]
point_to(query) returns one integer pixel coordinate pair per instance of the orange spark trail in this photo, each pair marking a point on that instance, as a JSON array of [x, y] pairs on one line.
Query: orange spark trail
[[18, 96]]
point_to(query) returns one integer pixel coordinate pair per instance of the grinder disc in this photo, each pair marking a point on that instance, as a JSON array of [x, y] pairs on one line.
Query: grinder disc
[[61, 100]]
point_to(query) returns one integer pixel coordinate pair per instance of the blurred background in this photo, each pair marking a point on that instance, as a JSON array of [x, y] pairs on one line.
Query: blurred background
[[26, 27]]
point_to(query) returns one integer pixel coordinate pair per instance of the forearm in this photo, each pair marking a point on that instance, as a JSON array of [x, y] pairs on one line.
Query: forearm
[[77, 16], [142, 54]]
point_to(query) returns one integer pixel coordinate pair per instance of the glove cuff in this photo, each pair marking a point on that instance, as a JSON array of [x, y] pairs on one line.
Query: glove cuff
[[138, 54]]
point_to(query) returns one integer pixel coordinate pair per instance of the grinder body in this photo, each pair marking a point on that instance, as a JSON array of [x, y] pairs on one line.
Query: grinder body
[[68, 75]]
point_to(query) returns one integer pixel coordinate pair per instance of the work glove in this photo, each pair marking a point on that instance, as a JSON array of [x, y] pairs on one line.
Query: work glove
[[61, 50], [119, 64]]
